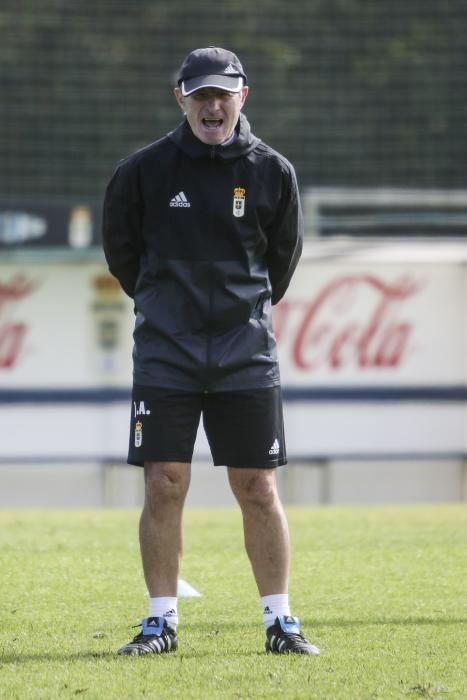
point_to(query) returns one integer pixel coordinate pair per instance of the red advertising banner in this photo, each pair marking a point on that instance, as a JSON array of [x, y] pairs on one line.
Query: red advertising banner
[[353, 325], [339, 325]]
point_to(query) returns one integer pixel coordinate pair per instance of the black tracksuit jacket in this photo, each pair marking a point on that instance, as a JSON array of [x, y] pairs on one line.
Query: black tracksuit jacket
[[203, 279]]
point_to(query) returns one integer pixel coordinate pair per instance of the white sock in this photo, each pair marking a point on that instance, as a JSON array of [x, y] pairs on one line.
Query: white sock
[[274, 606], [164, 607]]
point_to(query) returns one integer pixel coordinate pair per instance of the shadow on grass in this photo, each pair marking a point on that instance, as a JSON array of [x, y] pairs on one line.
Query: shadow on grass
[[213, 629], [189, 650], [406, 621], [14, 659], [19, 658]]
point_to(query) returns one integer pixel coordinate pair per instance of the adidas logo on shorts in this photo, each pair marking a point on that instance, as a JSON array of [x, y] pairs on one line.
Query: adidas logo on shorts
[[274, 447]]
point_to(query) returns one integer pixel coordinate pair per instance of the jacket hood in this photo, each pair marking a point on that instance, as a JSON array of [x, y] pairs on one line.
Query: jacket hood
[[245, 142]]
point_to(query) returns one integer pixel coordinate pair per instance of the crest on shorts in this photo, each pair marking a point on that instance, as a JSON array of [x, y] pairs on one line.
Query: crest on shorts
[[138, 434], [239, 201]]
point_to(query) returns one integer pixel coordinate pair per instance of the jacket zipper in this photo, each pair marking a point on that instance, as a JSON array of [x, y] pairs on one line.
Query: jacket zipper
[[209, 340], [212, 156]]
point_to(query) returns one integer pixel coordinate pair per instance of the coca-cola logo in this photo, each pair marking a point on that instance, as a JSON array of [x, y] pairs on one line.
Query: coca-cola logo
[[353, 320], [12, 331]]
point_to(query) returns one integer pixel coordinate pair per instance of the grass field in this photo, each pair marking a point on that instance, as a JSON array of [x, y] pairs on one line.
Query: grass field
[[382, 591]]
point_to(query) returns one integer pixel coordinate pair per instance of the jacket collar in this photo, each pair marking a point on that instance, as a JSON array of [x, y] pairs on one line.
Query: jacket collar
[[245, 142]]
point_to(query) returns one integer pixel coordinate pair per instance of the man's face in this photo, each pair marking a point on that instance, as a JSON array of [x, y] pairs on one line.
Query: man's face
[[212, 113]]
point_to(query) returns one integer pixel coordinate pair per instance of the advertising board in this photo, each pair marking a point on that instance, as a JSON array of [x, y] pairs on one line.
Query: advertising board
[[372, 360]]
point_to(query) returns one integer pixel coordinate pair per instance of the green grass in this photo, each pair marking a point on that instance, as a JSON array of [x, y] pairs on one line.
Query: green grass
[[382, 591]]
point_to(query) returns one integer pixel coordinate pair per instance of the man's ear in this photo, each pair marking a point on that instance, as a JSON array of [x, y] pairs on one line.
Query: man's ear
[[245, 91], [180, 99]]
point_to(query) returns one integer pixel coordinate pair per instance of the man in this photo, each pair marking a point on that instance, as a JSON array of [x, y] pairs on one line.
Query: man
[[203, 229]]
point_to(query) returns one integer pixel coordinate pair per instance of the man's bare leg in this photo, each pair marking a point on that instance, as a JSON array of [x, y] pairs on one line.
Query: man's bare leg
[[161, 525], [161, 541], [268, 546], [265, 527]]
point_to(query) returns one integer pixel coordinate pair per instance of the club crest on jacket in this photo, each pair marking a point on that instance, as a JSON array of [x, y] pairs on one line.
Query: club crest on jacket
[[239, 201]]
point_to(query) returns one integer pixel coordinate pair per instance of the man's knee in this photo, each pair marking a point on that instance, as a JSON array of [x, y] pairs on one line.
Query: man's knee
[[166, 483], [256, 487]]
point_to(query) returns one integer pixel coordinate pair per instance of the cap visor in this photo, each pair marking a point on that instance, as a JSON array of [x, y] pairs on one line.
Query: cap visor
[[223, 82]]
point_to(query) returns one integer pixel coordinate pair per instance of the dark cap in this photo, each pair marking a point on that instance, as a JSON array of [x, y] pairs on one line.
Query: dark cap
[[211, 67]]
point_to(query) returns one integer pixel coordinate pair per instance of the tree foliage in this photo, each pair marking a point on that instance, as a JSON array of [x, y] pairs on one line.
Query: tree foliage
[[352, 91]]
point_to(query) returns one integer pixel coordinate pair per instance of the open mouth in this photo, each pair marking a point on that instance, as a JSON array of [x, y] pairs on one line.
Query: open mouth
[[212, 124]]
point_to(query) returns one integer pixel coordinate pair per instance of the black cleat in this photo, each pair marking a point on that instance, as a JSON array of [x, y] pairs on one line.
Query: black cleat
[[156, 637], [284, 637]]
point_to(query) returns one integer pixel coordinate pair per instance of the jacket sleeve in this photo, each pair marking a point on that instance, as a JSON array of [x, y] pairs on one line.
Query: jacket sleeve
[[285, 240], [121, 227]]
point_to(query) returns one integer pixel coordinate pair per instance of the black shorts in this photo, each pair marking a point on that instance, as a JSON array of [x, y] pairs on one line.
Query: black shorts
[[243, 428]]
